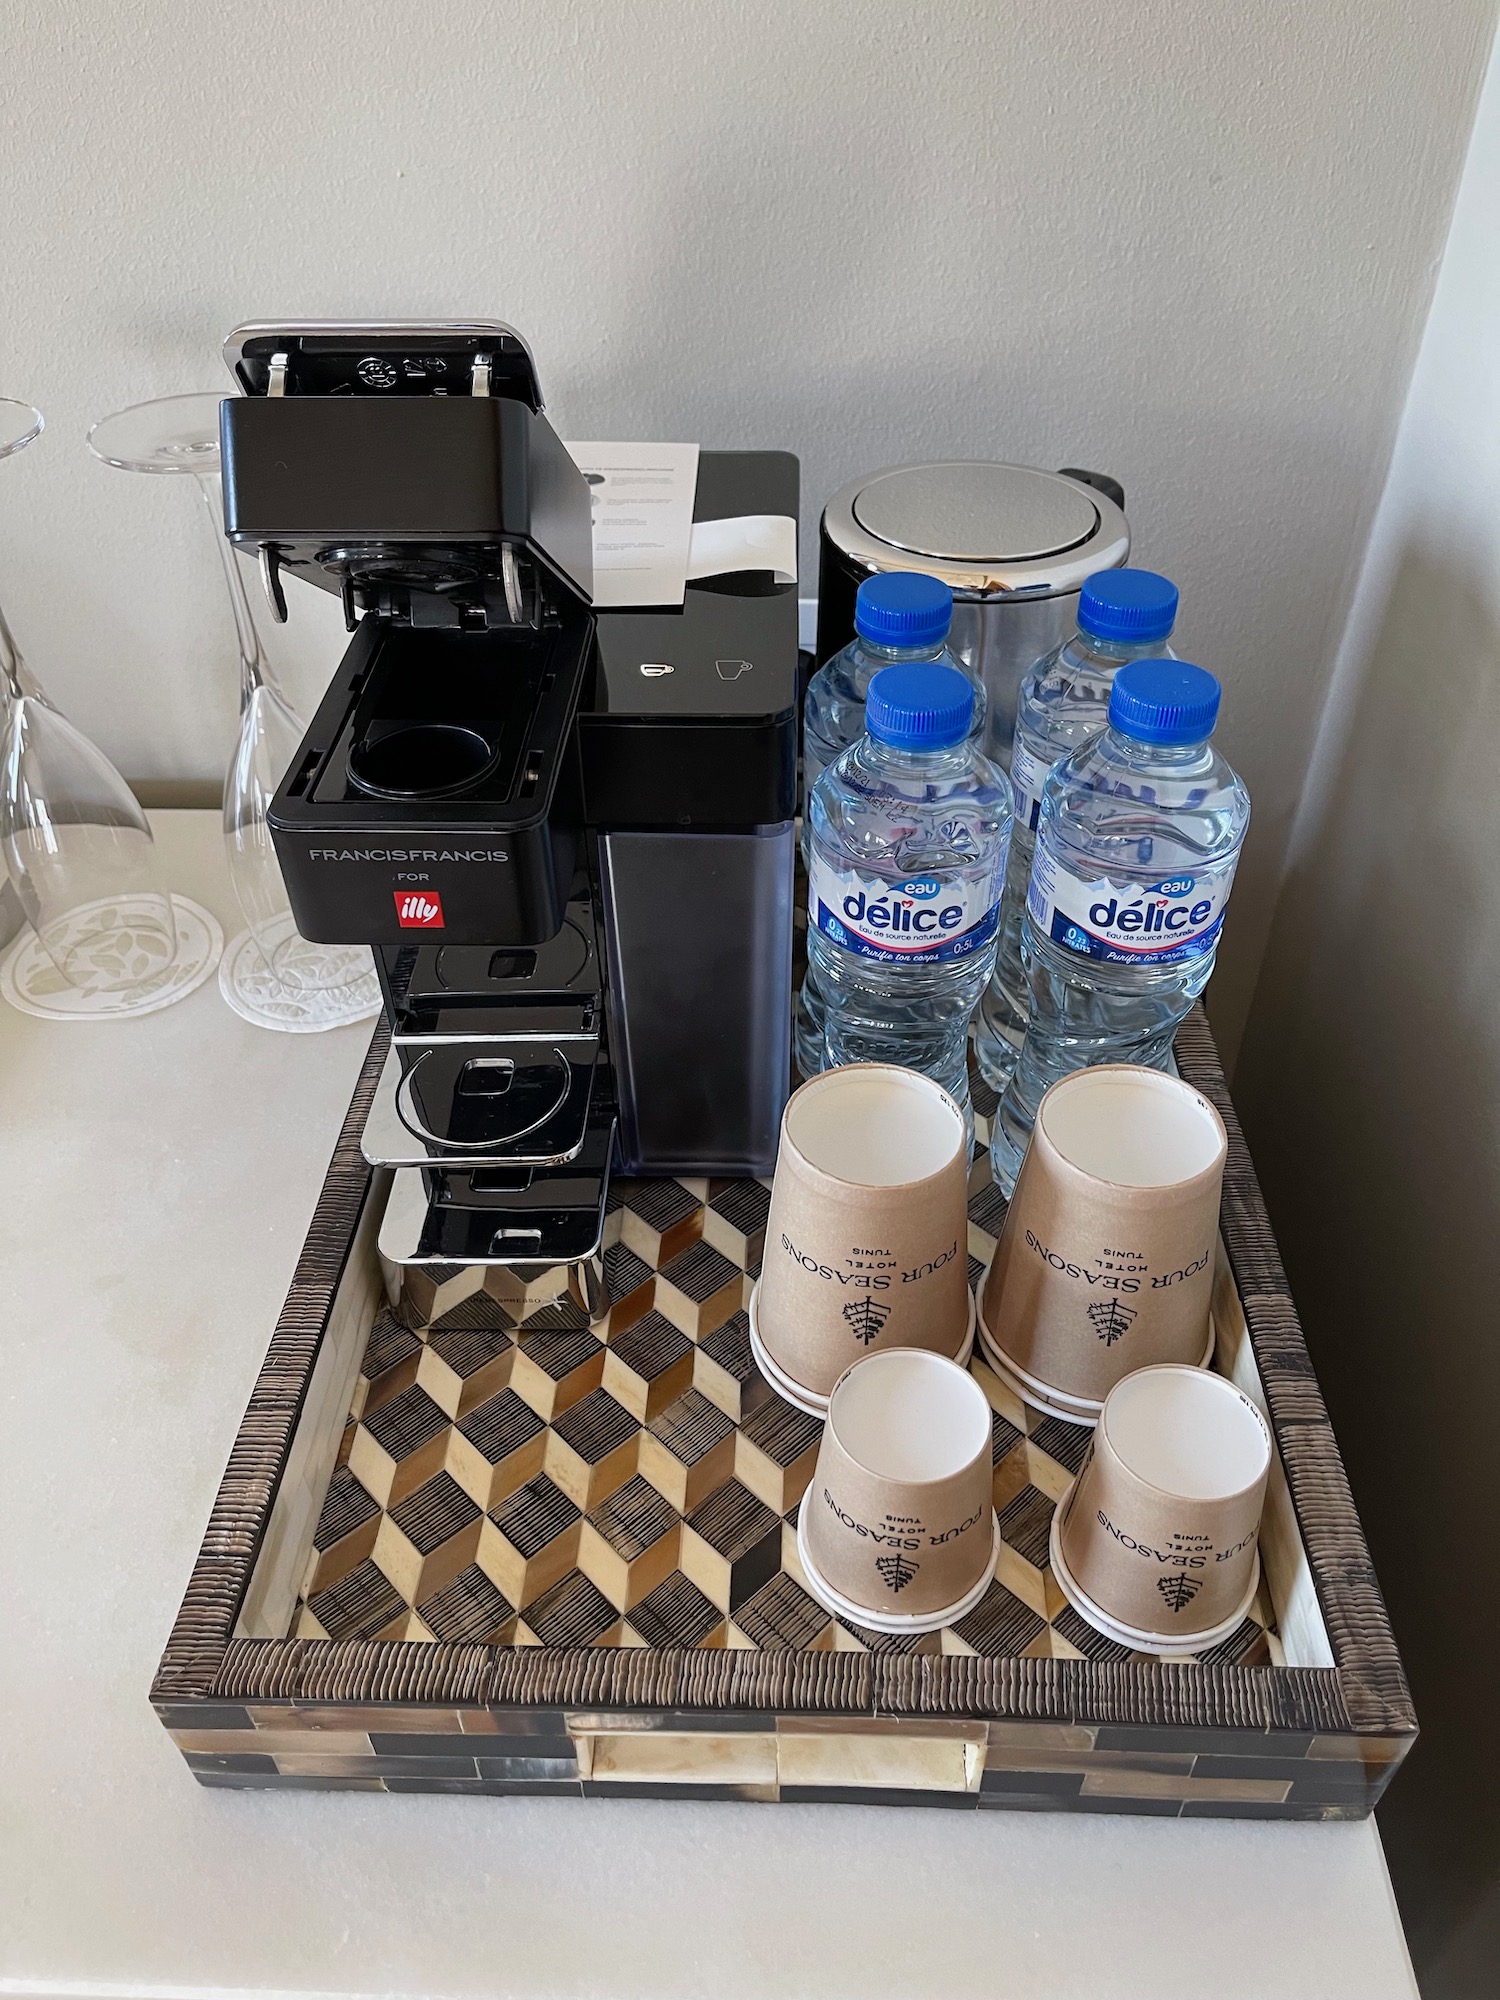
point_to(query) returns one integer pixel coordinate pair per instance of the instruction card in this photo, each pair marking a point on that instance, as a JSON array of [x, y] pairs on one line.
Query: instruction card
[[646, 544], [643, 519]]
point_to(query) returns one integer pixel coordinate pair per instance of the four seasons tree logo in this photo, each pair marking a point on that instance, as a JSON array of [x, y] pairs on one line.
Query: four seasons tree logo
[[1179, 1589], [896, 1571], [1110, 1319], [866, 1317]]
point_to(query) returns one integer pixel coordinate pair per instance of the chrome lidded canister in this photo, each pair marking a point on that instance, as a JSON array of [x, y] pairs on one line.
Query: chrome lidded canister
[[1014, 545]]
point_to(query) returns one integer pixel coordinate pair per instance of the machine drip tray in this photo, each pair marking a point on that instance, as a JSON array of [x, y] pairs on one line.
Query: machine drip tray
[[505, 1214], [446, 1228]]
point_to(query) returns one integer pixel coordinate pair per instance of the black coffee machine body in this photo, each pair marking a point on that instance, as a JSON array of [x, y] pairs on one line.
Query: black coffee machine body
[[567, 835]]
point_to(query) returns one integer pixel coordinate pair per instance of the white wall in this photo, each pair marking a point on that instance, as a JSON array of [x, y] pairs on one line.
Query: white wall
[[1188, 241], [1370, 1082]]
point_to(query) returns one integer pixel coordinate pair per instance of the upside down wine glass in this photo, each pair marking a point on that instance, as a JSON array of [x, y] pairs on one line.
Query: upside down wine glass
[[76, 842], [181, 434]]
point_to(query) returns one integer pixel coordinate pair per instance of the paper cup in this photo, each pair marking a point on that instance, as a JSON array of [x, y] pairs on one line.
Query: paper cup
[[1106, 1260], [1157, 1535], [807, 1399], [897, 1530], [1052, 1402], [867, 1236]]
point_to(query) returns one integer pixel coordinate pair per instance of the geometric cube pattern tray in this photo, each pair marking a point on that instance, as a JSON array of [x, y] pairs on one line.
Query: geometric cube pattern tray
[[480, 1543], [513, 1473]]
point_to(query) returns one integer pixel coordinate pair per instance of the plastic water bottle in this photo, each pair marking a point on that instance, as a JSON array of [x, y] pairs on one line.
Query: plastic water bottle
[[909, 831], [1136, 849], [898, 617], [1123, 615]]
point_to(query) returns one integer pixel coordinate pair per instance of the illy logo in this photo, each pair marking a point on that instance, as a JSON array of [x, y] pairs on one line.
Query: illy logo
[[419, 909]]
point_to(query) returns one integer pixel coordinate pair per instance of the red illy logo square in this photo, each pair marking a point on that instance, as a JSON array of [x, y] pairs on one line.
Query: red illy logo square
[[419, 909]]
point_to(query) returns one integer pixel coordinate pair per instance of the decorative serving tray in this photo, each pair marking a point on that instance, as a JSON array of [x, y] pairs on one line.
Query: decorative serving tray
[[472, 1540]]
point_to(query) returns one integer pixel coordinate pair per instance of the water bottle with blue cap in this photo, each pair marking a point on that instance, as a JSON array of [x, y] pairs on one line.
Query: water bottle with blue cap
[[1139, 836], [1123, 615], [899, 617], [907, 837]]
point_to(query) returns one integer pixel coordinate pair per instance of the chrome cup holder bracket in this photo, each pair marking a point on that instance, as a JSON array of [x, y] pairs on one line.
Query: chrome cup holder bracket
[[490, 1093], [509, 1212], [491, 1102]]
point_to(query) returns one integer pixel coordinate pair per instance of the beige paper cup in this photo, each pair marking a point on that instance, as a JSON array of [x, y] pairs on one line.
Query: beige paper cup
[[867, 1236], [897, 1530], [1106, 1260], [1155, 1541]]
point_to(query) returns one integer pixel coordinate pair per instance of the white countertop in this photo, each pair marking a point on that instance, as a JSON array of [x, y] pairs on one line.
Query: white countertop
[[158, 1175]]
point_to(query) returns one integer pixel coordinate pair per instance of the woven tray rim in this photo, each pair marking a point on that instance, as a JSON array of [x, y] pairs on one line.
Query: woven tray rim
[[1364, 1693]]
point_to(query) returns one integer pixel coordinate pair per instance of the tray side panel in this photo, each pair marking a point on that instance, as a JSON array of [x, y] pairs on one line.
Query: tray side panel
[[1146, 1760], [315, 1672], [271, 1594], [1304, 1638], [1370, 1671], [258, 1458]]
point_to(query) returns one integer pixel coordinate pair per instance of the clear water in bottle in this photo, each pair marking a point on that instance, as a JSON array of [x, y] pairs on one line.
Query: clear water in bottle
[[1123, 615], [908, 835], [899, 617], [1139, 837]]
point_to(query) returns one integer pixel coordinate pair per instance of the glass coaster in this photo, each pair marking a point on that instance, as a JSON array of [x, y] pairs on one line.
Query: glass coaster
[[31, 982], [259, 997]]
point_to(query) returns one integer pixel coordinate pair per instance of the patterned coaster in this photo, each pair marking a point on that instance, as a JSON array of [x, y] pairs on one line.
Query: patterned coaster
[[514, 1473], [249, 986], [31, 981]]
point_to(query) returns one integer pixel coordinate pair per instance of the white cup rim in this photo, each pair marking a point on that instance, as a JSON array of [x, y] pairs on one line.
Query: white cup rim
[[849, 1076], [1140, 1077], [1219, 1385], [925, 1358]]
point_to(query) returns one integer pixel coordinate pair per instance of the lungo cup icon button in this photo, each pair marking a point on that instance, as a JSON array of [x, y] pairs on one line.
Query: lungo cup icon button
[[867, 1235], [1106, 1260], [897, 1530]]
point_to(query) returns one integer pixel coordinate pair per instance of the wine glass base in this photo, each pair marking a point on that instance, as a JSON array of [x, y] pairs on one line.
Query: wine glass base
[[168, 434], [258, 996], [31, 982], [20, 425]]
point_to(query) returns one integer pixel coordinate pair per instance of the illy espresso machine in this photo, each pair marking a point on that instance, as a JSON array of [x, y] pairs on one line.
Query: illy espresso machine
[[567, 835]]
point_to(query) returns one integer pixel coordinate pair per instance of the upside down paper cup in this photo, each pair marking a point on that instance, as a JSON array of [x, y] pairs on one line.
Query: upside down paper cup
[[867, 1235], [897, 1527], [1159, 1531], [1106, 1260]]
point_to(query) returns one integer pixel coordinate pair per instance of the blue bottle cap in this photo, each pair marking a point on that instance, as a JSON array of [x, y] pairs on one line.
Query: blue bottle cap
[[903, 608], [924, 706], [1163, 701], [1134, 605]]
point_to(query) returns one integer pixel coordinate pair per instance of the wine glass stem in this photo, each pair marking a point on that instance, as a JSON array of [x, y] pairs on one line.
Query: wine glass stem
[[10, 659], [18, 677], [255, 668]]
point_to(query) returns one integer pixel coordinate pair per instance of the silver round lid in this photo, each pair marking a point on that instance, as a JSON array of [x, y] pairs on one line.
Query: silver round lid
[[982, 527], [976, 513]]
